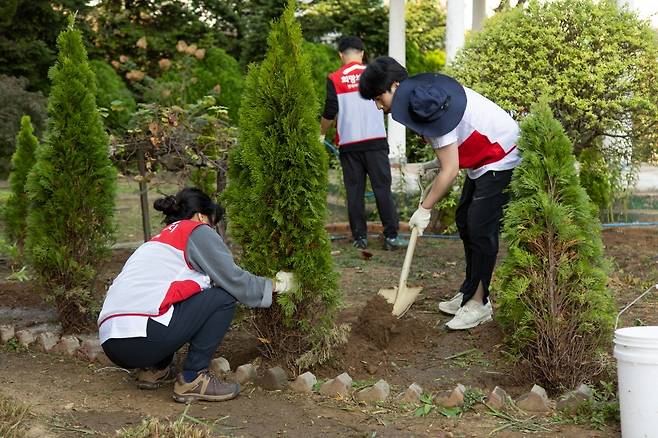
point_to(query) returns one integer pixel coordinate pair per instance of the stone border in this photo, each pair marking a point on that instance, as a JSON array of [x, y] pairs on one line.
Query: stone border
[[88, 348], [47, 338]]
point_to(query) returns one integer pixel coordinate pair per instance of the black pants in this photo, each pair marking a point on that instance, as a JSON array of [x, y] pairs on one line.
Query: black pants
[[202, 320], [375, 164], [479, 217]]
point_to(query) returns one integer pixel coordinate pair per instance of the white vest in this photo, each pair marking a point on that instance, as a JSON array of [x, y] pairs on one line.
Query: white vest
[[156, 276], [358, 119]]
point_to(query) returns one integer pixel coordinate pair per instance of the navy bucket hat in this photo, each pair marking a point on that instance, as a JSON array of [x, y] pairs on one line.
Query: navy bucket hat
[[431, 104]]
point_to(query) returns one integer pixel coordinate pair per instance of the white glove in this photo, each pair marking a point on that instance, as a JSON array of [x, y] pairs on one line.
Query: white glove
[[420, 219], [321, 138], [284, 282]]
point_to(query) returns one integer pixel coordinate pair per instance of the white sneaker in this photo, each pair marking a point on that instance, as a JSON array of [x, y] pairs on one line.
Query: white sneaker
[[470, 315], [452, 306]]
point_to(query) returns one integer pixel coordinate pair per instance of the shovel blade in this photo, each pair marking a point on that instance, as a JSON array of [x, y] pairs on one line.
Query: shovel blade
[[406, 297], [389, 294]]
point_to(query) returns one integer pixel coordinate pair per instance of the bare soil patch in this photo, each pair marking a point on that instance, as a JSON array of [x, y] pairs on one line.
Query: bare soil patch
[[414, 349]]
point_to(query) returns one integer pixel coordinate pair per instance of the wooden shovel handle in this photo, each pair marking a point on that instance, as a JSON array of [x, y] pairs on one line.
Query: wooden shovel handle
[[407, 259]]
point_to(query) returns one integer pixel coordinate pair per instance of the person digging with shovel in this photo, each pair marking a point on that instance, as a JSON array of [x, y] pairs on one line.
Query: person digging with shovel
[[466, 130]]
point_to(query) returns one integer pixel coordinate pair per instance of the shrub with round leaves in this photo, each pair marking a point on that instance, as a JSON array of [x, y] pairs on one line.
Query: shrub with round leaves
[[597, 64]]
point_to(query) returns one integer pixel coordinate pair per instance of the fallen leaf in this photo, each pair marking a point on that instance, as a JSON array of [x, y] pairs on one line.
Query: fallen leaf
[[365, 255]]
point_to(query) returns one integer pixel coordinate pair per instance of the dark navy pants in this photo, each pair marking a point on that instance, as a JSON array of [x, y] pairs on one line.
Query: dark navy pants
[[479, 218], [356, 165], [201, 320]]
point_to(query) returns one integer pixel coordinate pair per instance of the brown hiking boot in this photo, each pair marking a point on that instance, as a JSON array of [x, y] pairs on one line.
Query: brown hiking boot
[[151, 378], [205, 387]]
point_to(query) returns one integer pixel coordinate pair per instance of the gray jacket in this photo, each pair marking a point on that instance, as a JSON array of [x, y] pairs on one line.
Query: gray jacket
[[207, 253]]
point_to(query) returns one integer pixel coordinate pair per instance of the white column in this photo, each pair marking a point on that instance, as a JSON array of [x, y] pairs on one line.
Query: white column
[[396, 49], [454, 28], [479, 14]]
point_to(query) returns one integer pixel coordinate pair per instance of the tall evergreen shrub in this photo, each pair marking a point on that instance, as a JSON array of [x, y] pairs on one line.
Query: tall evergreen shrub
[[276, 198], [71, 188], [554, 305], [15, 211]]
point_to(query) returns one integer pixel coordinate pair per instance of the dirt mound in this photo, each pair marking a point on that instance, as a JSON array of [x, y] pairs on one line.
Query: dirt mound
[[376, 340], [376, 322]]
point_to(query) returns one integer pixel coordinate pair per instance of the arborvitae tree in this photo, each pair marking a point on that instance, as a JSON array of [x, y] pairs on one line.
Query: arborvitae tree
[[276, 198], [71, 188], [15, 211], [554, 305]]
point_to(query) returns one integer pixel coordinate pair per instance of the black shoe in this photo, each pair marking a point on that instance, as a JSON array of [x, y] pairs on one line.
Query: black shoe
[[393, 243], [360, 243]]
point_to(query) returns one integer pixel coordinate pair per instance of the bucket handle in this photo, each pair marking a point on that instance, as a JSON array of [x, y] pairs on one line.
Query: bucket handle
[[633, 302]]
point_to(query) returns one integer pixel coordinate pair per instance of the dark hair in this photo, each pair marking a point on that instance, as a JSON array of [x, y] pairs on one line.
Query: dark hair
[[186, 204], [350, 42], [378, 77]]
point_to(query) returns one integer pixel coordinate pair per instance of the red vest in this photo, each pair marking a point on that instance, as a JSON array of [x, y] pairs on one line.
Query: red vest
[[156, 276], [358, 119]]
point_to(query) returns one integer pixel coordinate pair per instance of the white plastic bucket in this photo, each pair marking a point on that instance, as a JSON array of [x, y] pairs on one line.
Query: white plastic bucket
[[636, 350]]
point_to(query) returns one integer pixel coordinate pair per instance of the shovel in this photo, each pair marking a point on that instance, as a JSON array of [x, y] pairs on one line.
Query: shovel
[[402, 297]]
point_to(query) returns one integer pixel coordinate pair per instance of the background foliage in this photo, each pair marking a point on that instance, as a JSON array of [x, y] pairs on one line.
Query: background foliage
[[191, 141], [195, 73], [28, 33], [112, 96], [598, 64], [15, 101]]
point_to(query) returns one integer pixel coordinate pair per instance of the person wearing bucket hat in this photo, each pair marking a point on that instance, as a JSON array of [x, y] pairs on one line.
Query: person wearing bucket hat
[[466, 131], [362, 146]]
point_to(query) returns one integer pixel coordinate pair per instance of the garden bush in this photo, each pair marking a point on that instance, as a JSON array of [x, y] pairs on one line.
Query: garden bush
[[71, 189], [323, 60], [194, 74], [191, 141], [554, 305], [276, 199], [597, 64]]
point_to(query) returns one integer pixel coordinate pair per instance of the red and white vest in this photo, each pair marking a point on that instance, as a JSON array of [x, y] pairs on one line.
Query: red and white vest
[[358, 119], [156, 276]]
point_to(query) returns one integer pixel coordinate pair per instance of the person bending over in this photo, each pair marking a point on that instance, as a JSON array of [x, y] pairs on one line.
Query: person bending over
[[466, 130], [180, 287]]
